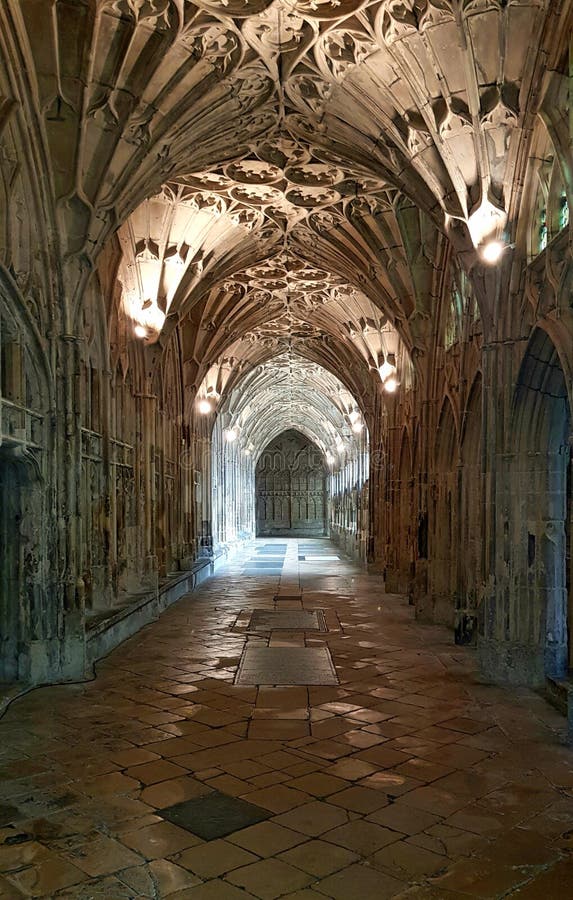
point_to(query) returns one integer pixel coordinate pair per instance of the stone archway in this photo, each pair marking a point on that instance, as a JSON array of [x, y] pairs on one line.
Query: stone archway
[[541, 511], [290, 486]]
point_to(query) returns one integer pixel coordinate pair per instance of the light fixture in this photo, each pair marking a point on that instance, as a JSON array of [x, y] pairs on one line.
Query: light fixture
[[486, 223], [230, 434], [354, 416], [140, 331], [391, 384], [205, 406], [491, 252], [388, 367], [330, 459], [357, 426]]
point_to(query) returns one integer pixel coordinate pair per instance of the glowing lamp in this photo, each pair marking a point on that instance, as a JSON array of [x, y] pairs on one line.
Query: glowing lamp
[[388, 367], [205, 406], [391, 385], [140, 331], [357, 427], [230, 435], [492, 251]]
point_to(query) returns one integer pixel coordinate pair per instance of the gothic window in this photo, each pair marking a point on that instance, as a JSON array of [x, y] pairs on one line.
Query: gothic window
[[463, 312], [563, 211], [550, 207]]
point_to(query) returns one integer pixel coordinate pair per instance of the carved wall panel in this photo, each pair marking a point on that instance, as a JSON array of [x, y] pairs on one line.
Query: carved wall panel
[[291, 488]]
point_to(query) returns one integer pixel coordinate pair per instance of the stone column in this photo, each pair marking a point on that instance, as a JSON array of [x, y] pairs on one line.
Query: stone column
[[145, 468]]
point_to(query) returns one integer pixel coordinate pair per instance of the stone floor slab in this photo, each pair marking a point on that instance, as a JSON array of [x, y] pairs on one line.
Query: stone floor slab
[[287, 620], [293, 665], [214, 815]]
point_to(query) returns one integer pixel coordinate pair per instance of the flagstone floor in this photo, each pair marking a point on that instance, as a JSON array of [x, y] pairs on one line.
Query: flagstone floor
[[163, 778]]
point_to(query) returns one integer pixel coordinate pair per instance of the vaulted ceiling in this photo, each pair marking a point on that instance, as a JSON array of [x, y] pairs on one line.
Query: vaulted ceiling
[[280, 170]]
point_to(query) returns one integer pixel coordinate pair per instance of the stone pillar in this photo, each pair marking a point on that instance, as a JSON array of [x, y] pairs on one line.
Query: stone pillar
[[60, 653], [145, 468]]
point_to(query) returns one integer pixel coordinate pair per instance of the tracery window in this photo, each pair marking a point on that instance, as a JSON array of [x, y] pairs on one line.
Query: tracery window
[[563, 211], [550, 208], [463, 313]]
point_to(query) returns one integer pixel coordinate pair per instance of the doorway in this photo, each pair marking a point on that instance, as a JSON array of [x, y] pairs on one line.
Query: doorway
[[290, 487]]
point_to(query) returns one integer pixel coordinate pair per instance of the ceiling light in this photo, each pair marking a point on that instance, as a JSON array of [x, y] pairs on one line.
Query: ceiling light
[[492, 252], [386, 370], [140, 331], [391, 384], [357, 427], [205, 406], [354, 416], [230, 434]]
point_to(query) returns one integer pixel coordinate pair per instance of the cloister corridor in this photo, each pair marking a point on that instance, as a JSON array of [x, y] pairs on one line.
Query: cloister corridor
[[181, 772]]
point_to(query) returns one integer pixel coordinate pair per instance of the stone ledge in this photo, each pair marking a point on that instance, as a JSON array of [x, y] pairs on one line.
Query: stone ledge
[[559, 693], [10, 692], [114, 626]]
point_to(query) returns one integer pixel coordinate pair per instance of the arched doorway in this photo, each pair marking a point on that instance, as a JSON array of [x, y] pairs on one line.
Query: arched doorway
[[542, 508], [290, 486]]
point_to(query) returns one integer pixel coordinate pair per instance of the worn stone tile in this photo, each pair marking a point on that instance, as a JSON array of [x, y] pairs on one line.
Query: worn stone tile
[[269, 878], [359, 882], [318, 784], [362, 837], [319, 858], [314, 818], [151, 773], [214, 858], [359, 799], [159, 840], [216, 889], [47, 876], [161, 877], [405, 819], [406, 861], [266, 838], [172, 791], [278, 798]]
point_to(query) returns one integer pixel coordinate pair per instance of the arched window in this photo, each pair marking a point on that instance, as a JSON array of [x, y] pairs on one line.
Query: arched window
[[463, 313], [550, 209]]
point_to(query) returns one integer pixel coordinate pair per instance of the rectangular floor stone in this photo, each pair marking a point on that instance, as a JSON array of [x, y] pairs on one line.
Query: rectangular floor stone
[[262, 572], [214, 815], [288, 620], [310, 558], [265, 564], [290, 665]]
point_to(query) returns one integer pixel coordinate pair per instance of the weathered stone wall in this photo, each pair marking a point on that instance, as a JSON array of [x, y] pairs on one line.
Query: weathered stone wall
[[290, 486]]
